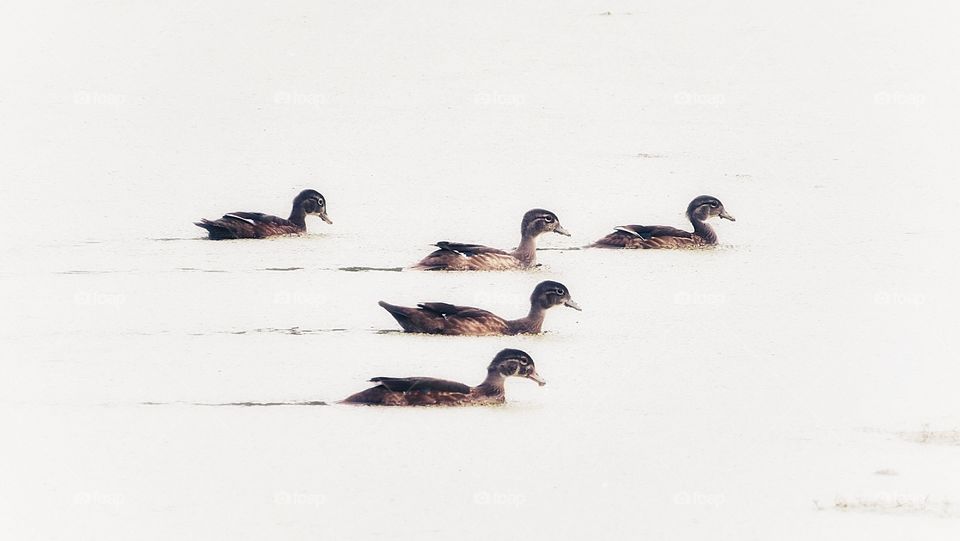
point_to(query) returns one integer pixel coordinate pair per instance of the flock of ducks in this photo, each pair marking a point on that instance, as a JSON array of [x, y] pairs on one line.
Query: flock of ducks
[[448, 319]]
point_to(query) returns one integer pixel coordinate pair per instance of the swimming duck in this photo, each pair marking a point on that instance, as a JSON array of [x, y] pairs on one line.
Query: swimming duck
[[442, 318], [439, 392], [661, 236], [456, 256], [256, 225]]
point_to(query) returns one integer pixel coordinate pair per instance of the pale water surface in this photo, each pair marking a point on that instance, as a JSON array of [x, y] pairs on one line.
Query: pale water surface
[[798, 382]]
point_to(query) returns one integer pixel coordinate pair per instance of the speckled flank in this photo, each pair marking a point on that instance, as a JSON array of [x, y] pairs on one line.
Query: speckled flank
[[621, 239], [452, 261]]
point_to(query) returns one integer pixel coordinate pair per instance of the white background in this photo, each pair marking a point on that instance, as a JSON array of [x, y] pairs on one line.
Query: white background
[[799, 382]]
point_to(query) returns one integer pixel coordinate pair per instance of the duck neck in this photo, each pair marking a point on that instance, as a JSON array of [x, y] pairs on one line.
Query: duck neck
[[703, 230], [534, 320], [527, 251], [298, 216], [492, 386]]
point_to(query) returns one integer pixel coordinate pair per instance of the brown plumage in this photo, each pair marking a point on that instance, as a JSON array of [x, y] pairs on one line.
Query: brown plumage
[[660, 236], [456, 256], [439, 392], [442, 318], [256, 225]]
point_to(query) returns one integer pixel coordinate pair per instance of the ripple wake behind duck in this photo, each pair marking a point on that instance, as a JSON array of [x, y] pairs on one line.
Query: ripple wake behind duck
[[241, 404]]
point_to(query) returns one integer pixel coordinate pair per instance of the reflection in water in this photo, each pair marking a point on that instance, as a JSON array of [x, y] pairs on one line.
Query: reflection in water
[[245, 404], [365, 269]]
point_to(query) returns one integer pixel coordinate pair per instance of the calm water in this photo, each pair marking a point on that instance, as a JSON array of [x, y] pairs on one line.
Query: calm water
[[753, 389]]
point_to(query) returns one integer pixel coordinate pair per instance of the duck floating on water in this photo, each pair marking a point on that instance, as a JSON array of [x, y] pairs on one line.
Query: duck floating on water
[[442, 318], [456, 256], [421, 391], [256, 225], [699, 211]]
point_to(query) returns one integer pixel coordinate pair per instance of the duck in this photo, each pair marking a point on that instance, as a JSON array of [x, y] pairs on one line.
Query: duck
[[256, 225], [443, 318], [699, 211], [453, 256], [420, 391]]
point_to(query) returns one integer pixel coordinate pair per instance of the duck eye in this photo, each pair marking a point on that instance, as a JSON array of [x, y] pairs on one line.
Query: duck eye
[[560, 292], [548, 219]]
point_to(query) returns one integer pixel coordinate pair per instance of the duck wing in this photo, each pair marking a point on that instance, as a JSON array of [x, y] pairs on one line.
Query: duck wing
[[647, 237], [403, 385], [448, 310], [259, 225], [258, 218], [443, 318], [467, 250], [458, 256], [450, 319], [247, 225], [650, 231]]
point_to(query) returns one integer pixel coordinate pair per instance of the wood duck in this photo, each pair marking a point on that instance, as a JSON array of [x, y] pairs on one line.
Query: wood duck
[[442, 318], [256, 225], [456, 256], [439, 392], [699, 211]]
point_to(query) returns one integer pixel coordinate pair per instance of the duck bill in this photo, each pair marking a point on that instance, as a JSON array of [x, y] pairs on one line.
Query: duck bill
[[573, 305], [536, 377], [560, 230], [726, 216], [323, 216]]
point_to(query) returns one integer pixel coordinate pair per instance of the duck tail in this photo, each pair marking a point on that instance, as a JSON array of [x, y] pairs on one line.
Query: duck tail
[[215, 230], [208, 225], [401, 314], [393, 309]]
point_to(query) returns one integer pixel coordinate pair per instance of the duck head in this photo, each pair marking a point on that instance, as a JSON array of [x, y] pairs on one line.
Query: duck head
[[312, 202], [707, 206], [539, 221], [513, 362], [549, 294]]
